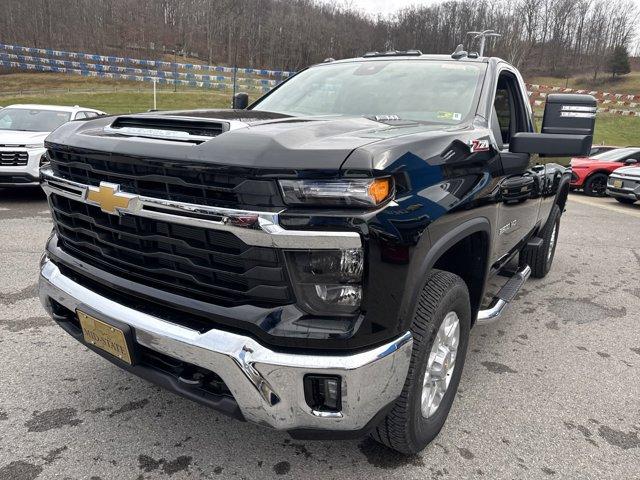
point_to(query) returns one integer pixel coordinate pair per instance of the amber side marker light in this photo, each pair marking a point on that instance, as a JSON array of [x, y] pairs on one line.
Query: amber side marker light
[[380, 190]]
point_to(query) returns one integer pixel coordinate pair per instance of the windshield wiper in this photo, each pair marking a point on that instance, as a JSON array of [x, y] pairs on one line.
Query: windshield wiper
[[391, 119]]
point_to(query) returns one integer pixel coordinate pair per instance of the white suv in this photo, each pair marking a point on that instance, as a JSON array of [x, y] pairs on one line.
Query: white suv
[[23, 129]]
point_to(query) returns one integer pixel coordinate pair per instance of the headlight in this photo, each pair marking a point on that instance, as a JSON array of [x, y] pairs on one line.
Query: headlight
[[357, 192], [34, 145], [327, 282]]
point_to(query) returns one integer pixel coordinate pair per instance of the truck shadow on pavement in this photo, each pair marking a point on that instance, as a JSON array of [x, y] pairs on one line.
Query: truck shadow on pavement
[[22, 195]]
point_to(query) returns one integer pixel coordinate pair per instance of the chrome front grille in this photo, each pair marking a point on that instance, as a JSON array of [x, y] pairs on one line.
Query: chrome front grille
[[14, 159], [219, 255]]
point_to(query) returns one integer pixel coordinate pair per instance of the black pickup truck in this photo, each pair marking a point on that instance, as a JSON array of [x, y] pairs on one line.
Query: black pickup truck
[[312, 262]]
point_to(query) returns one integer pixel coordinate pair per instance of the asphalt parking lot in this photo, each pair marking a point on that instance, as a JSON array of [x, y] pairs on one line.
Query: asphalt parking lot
[[550, 391]]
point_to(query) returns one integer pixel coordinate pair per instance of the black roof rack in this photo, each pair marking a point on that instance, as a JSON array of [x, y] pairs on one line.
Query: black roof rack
[[393, 53]]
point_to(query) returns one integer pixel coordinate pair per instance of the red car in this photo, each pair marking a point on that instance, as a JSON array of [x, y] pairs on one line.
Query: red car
[[591, 173]]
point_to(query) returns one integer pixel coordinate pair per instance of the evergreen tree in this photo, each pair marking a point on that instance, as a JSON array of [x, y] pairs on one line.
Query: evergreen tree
[[618, 63]]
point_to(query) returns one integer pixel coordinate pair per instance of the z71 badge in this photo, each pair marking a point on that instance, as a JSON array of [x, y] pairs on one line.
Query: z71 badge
[[479, 145]]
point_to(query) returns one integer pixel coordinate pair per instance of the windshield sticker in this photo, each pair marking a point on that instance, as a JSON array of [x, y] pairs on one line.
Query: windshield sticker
[[449, 116]]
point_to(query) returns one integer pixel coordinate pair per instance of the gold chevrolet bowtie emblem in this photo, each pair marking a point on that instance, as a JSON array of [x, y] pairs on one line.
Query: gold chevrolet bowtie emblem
[[109, 197]]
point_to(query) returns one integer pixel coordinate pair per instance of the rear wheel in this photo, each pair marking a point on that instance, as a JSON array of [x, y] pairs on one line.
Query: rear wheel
[[440, 331], [626, 201], [541, 259], [596, 185]]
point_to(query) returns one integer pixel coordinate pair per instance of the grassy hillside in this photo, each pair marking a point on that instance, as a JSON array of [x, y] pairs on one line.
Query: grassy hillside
[[51, 88], [629, 84], [129, 102], [617, 130], [15, 82]]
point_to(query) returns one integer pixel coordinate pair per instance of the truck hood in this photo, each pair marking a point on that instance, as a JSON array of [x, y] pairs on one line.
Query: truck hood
[[16, 137], [252, 139]]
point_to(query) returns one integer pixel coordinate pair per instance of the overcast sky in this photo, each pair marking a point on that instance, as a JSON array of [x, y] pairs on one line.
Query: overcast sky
[[383, 6]]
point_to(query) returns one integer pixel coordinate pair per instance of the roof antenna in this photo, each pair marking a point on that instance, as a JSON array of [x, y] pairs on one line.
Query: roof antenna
[[483, 35], [459, 53]]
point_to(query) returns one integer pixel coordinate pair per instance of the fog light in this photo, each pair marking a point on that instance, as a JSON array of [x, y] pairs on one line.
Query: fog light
[[323, 393], [340, 294]]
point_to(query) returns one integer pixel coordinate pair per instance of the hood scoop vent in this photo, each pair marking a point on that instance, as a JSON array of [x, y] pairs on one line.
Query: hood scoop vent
[[176, 129]]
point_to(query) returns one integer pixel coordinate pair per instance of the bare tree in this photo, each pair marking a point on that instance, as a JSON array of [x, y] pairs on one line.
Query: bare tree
[[539, 36]]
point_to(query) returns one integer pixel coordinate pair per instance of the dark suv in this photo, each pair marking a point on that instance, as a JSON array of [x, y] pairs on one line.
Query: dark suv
[[313, 262]]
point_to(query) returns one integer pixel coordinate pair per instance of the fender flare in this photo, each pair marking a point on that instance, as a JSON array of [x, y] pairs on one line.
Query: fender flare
[[437, 249], [563, 192]]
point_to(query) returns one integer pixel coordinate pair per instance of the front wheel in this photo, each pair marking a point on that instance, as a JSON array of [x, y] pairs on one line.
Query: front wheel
[[440, 331], [626, 201], [541, 259], [596, 185]]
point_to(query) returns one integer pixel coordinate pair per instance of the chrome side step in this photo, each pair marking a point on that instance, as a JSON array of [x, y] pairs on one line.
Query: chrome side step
[[506, 294]]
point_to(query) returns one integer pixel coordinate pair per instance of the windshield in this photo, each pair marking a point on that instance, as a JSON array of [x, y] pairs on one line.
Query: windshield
[[616, 154], [32, 120], [421, 90]]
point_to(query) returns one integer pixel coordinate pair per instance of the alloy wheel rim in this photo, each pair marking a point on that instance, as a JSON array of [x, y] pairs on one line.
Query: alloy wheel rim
[[599, 186], [441, 364]]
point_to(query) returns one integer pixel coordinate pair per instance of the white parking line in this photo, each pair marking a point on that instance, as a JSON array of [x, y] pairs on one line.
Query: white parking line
[[631, 210]]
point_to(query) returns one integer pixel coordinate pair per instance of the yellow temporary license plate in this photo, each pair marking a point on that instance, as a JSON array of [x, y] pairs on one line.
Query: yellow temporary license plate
[[617, 183], [104, 336]]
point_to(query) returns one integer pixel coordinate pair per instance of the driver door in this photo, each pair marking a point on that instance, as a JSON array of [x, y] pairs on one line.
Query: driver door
[[519, 201]]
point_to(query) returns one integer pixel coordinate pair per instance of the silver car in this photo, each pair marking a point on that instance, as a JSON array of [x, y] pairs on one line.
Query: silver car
[[624, 184]]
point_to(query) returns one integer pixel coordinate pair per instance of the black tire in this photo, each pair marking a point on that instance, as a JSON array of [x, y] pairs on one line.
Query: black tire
[[540, 260], [626, 201], [596, 185], [405, 429]]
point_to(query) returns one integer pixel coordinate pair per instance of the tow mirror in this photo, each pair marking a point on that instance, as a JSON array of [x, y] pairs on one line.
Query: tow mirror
[[240, 101], [630, 161], [567, 128]]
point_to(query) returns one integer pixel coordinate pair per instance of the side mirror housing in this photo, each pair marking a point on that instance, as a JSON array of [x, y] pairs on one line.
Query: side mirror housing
[[240, 101], [569, 114], [551, 145], [567, 128], [631, 161]]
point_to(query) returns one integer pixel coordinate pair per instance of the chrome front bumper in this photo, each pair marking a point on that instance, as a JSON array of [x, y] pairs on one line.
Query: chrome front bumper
[[267, 385]]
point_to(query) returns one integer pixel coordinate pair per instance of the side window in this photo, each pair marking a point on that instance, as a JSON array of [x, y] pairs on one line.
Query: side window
[[503, 112], [90, 114], [80, 116], [510, 112]]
